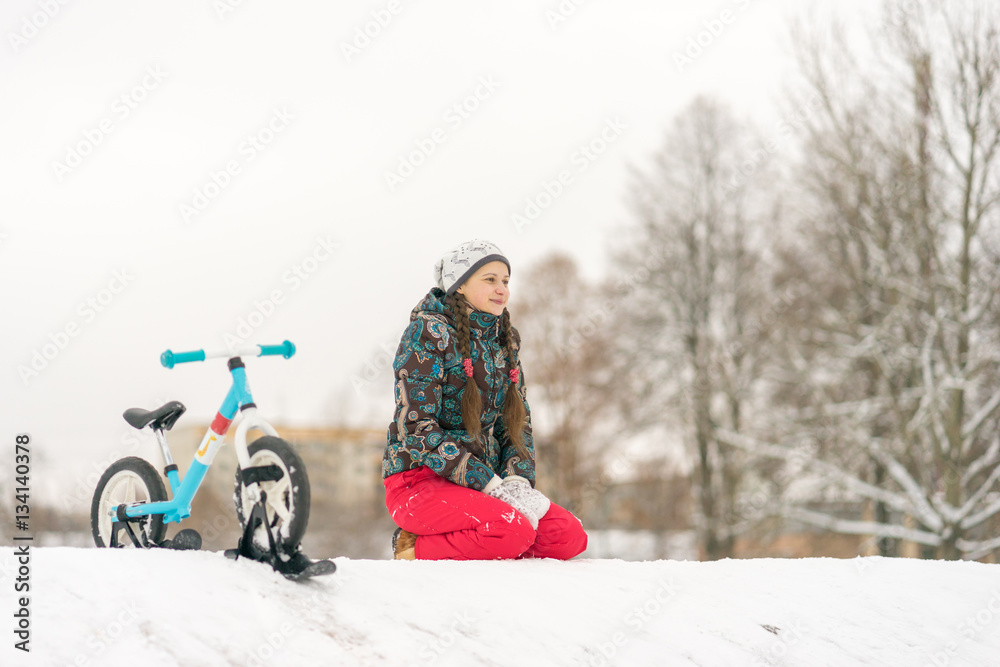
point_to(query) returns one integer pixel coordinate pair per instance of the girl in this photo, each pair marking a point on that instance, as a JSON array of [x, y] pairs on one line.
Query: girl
[[459, 465]]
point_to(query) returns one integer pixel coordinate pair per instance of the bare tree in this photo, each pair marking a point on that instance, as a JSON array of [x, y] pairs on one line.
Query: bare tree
[[565, 328], [898, 357], [694, 329]]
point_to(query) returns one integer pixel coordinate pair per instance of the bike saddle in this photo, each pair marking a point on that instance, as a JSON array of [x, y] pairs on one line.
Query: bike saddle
[[162, 417]]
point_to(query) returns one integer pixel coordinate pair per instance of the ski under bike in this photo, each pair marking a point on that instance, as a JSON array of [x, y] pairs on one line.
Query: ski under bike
[[131, 508]]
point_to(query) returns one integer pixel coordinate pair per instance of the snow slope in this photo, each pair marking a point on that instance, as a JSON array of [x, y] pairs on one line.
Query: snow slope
[[123, 607]]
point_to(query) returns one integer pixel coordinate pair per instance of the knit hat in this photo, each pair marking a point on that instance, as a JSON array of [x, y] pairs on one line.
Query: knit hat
[[452, 270]]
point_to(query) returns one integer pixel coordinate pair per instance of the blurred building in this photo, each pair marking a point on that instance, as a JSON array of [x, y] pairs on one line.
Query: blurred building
[[347, 513]]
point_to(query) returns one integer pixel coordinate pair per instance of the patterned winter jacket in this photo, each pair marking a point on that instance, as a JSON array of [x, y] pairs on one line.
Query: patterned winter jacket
[[427, 429]]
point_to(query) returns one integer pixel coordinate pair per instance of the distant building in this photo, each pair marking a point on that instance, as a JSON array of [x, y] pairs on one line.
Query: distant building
[[344, 465], [347, 511]]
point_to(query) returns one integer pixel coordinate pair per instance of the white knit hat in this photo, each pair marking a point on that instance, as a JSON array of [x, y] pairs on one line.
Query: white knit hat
[[452, 270]]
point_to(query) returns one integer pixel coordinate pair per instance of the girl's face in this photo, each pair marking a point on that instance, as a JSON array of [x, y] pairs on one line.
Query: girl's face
[[486, 289]]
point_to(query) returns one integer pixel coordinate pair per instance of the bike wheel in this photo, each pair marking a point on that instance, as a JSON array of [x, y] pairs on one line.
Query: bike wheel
[[287, 505], [129, 480]]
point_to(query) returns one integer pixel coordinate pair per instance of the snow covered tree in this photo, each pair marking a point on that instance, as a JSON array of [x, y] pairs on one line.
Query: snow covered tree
[[696, 312], [898, 360]]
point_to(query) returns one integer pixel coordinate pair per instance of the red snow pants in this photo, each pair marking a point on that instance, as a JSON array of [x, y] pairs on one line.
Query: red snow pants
[[453, 522]]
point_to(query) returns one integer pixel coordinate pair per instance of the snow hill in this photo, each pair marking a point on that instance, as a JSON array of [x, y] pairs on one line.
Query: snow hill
[[125, 607]]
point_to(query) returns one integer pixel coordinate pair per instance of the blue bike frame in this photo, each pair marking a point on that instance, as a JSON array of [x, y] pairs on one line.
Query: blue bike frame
[[239, 399]]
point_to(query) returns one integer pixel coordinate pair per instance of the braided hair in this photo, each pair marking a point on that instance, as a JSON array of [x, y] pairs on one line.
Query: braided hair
[[514, 414], [472, 403]]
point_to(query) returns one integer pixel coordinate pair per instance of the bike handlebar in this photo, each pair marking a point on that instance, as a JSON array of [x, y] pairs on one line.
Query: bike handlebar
[[170, 359]]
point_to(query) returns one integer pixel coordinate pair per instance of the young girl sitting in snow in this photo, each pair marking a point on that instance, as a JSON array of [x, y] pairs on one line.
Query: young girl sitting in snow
[[459, 465]]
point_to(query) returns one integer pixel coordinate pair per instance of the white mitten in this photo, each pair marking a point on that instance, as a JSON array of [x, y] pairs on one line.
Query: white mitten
[[502, 491], [531, 498]]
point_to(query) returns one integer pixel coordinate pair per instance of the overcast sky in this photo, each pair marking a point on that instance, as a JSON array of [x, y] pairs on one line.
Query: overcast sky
[[176, 174]]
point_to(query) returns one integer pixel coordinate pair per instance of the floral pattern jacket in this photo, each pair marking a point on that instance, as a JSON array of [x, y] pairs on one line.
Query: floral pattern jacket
[[427, 429]]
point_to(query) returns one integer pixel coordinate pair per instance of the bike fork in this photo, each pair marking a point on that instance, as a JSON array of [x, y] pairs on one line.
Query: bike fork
[[123, 522]]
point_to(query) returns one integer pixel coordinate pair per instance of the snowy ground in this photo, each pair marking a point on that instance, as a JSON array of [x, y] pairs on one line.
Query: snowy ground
[[110, 607]]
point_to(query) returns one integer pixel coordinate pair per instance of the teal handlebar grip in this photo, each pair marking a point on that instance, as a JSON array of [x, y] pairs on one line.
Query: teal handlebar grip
[[286, 349], [169, 358]]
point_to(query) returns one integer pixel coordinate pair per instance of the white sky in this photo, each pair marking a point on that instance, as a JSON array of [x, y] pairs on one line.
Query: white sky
[[64, 236]]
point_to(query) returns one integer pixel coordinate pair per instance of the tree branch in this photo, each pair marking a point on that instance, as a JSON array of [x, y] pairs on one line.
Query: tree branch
[[851, 527], [976, 550], [976, 519], [971, 426], [851, 482]]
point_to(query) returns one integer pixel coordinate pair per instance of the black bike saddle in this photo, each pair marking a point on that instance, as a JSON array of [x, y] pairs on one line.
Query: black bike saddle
[[162, 417]]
